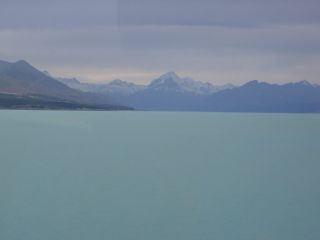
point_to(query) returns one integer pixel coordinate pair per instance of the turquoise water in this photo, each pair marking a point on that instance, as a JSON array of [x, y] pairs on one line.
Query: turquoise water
[[159, 176]]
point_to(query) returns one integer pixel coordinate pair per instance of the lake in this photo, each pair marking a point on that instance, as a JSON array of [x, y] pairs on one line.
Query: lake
[[159, 176]]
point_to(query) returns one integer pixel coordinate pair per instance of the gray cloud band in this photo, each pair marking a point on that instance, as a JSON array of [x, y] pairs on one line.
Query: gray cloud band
[[226, 41]]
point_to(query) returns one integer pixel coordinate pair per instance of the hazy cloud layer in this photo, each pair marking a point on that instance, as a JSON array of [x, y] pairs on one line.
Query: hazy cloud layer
[[217, 41], [234, 13]]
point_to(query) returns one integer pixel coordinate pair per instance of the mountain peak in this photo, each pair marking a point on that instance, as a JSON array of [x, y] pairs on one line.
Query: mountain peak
[[252, 82], [25, 66], [305, 83], [118, 82], [171, 82], [171, 75], [22, 62], [119, 86]]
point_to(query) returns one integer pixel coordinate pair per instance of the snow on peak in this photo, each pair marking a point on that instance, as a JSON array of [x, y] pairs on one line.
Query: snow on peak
[[171, 75], [121, 87], [169, 82], [172, 82]]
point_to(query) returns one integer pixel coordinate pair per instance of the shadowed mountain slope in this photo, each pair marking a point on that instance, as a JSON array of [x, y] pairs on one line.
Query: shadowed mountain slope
[[256, 96], [20, 78]]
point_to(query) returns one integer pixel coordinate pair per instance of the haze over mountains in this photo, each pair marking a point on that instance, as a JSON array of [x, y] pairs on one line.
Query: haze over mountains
[[23, 86], [167, 82], [169, 92]]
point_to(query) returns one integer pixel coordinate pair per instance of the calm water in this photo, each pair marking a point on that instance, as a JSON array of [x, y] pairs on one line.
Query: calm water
[[159, 176]]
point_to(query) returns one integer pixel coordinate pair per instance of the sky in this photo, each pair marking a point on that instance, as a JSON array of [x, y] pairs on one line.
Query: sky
[[219, 41]]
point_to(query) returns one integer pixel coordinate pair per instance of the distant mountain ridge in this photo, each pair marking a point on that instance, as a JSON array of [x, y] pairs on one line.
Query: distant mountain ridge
[[116, 86], [256, 96], [22, 79], [169, 92], [167, 82], [23, 86]]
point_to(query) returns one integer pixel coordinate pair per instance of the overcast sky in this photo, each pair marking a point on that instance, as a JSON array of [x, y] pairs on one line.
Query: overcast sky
[[218, 41]]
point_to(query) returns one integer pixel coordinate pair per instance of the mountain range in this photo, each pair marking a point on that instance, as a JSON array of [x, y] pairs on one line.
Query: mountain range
[[167, 82], [24, 86], [256, 96], [170, 92]]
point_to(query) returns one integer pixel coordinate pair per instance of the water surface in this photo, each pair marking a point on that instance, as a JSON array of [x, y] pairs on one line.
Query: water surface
[[159, 176]]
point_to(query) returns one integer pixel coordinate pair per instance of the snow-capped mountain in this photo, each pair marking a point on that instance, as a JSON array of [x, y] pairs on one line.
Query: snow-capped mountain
[[167, 92], [76, 84], [172, 82], [114, 87], [120, 87], [169, 82], [22, 84]]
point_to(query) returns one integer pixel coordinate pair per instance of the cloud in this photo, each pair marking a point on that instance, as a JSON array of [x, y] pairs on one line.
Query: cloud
[[88, 13], [217, 41], [233, 13], [41, 14]]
